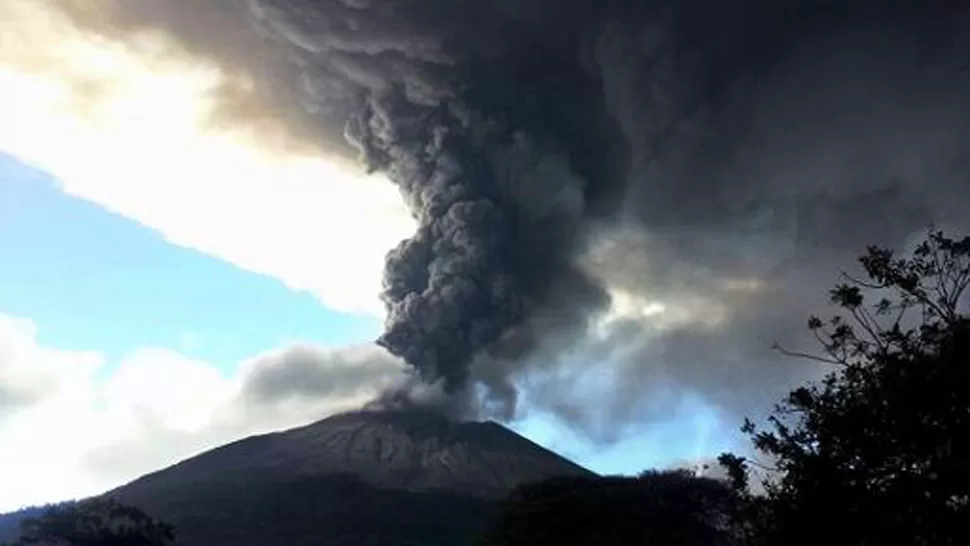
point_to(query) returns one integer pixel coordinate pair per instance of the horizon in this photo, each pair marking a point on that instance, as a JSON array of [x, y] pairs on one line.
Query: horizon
[[594, 231], [119, 347]]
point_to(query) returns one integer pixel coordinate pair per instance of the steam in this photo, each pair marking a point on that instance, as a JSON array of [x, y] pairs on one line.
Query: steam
[[656, 190]]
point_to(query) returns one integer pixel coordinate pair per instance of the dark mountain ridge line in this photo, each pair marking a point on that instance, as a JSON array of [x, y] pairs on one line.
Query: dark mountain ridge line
[[362, 478], [408, 450]]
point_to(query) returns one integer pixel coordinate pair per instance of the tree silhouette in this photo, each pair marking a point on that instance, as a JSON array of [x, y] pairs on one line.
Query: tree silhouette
[[94, 522], [878, 452], [672, 508]]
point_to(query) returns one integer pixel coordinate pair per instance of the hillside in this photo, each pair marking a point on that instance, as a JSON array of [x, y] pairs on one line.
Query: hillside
[[363, 478], [396, 450], [10, 523]]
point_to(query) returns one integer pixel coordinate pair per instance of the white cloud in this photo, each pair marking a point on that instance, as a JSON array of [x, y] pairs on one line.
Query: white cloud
[[127, 126], [78, 434], [30, 373], [178, 392]]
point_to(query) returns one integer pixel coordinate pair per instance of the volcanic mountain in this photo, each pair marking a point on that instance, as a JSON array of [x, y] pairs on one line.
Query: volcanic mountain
[[362, 478]]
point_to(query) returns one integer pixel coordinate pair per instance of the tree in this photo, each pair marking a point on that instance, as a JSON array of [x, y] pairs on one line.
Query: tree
[[878, 452], [94, 522], [672, 508]]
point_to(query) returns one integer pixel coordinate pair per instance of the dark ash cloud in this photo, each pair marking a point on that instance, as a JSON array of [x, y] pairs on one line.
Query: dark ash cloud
[[730, 156]]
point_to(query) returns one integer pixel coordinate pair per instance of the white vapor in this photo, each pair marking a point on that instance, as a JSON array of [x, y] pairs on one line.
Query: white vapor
[[66, 433]]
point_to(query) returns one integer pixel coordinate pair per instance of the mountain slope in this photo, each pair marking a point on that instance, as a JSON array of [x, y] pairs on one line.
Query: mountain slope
[[357, 478], [413, 451]]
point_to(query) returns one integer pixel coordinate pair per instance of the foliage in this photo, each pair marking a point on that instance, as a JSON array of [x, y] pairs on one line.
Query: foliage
[[669, 508], [878, 452], [10, 523], [94, 522], [253, 509]]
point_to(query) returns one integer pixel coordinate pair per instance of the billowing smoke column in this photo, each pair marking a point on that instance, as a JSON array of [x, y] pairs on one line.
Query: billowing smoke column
[[476, 133], [499, 122], [495, 128], [481, 261], [720, 159]]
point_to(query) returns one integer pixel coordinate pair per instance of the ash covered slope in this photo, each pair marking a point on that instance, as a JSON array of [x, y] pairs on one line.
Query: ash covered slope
[[415, 451], [364, 478]]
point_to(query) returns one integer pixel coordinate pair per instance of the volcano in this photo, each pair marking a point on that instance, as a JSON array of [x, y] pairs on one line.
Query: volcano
[[378, 478]]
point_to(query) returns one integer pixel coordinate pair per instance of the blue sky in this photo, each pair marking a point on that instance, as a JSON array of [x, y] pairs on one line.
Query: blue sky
[[183, 267], [91, 280], [94, 280]]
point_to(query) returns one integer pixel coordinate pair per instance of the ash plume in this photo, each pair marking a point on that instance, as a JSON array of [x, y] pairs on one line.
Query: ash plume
[[711, 163]]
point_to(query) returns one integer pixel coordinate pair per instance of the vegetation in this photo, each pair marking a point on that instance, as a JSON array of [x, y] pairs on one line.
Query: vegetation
[[248, 510], [252, 510], [10, 523], [94, 522], [878, 452], [671, 508]]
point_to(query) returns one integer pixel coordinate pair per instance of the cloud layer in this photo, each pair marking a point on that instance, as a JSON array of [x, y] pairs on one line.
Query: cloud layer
[[71, 428], [136, 126], [617, 207]]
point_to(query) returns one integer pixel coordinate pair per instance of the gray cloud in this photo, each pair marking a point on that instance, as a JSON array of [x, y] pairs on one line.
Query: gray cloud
[[276, 390], [13, 400], [310, 372], [736, 153], [31, 374], [15, 393]]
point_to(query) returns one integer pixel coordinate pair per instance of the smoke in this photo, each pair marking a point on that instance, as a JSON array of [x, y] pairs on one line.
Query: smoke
[[615, 199]]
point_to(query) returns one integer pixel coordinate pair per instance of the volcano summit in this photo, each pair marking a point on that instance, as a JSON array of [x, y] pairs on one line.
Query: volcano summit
[[354, 478]]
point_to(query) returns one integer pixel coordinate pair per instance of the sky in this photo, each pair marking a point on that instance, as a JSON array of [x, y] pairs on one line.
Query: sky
[[194, 248], [162, 275], [104, 321]]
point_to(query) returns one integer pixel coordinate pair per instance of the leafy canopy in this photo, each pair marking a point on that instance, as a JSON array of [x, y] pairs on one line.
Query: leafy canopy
[[94, 522], [878, 452]]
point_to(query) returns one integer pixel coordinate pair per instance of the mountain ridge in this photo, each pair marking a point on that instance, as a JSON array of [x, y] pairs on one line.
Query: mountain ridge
[[357, 478], [362, 478], [409, 450]]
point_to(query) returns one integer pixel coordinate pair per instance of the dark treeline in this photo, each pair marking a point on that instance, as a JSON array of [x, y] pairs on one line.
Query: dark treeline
[[93, 522], [10, 524], [876, 453], [318, 510], [672, 507]]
